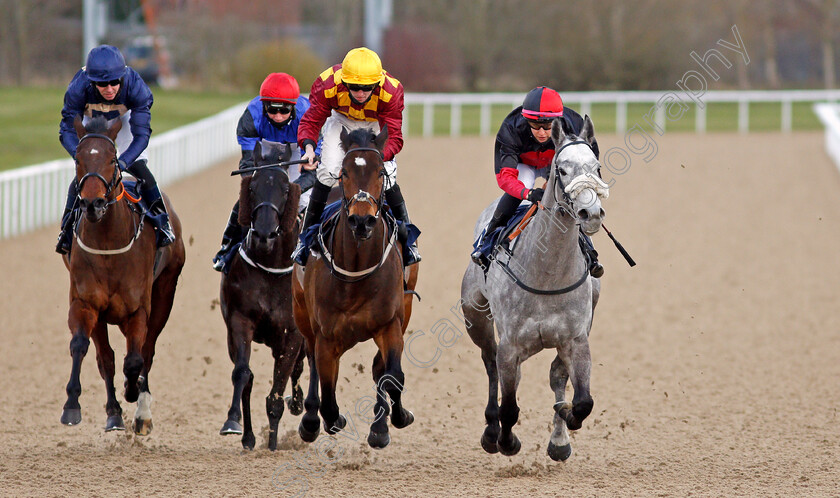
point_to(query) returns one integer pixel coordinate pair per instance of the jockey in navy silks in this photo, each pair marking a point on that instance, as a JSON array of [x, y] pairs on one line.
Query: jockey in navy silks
[[524, 151], [107, 87], [273, 115]]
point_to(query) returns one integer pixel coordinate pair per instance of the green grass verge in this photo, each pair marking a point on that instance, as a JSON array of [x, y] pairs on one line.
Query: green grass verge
[[29, 118]]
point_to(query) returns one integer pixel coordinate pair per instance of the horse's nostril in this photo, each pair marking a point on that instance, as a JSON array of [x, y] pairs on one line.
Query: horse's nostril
[[99, 203], [603, 214], [583, 214], [370, 222]]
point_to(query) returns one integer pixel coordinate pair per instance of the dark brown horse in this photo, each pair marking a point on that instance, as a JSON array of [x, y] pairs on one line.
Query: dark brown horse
[[115, 278], [355, 292], [256, 295]]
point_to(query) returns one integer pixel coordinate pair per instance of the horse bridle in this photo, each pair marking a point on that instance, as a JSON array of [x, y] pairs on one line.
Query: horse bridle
[[567, 199], [115, 179], [268, 204], [361, 195]]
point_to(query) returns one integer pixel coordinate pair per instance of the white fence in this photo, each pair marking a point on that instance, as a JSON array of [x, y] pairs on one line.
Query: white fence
[[829, 114], [583, 102], [34, 196]]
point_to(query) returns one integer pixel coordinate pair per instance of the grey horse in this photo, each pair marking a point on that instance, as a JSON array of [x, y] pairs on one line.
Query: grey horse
[[541, 297]]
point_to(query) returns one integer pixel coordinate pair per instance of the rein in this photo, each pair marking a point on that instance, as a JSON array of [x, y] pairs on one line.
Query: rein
[[361, 196], [242, 253], [116, 182]]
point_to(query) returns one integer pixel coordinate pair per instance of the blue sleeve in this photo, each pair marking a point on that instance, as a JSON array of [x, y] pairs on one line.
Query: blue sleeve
[[74, 105], [246, 131], [139, 101]]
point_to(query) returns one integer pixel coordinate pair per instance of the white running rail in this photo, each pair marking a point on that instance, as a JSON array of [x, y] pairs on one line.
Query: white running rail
[[829, 114], [33, 197]]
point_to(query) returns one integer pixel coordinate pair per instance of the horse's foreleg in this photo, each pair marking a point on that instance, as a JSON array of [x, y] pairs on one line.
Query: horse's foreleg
[[326, 358], [508, 362], [105, 362], [285, 361], [559, 446], [390, 382], [248, 439], [579, 364], [240, 334], [310, 423], [81, 320], [134, 329], [480, 329]]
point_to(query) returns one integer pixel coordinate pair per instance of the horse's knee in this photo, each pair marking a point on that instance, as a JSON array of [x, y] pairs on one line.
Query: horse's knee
[[241, 374], [79, 345], [133, 365]]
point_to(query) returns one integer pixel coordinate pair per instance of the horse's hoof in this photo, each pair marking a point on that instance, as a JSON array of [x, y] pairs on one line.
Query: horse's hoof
[[142, 427], [339, 424], [408, 418], [307, 435], [378, 440], [488, 443], [231, 427], [249, 441], [512, 449], [559, 453], [114, 423], [71, 416]]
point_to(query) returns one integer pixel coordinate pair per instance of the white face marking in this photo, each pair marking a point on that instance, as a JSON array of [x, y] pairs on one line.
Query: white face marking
[[94, 151], [360, 161]]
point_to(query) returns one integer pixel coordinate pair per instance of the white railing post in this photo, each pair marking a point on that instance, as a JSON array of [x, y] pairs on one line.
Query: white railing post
[[621, 116], [700, 119], [455, 120], [743, 116], [428, 119], [787, 115]]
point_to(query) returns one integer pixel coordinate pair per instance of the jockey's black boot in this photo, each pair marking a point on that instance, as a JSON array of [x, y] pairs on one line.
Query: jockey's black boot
[[232, 235], [397, 204], [158, 208], [65, 237], [595, 268], [504, 210], [317, 203]]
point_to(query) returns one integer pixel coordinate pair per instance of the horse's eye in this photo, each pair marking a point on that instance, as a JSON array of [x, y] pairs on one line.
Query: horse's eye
[[562, 171]]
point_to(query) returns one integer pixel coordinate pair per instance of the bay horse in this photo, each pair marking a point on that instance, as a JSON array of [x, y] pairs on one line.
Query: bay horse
[[541, 297], [256, 295], [354, 292], [115, 278]]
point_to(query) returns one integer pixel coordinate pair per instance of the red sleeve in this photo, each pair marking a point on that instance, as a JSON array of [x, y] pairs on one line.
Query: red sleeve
[[391, 115], [319, 110], [508, 180]]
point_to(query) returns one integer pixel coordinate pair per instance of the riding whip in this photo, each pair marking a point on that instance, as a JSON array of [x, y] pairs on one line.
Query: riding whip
[[274, 165], [620, 247]]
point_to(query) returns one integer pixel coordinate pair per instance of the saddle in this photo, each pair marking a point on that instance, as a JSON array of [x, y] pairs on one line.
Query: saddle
[[500, 237]]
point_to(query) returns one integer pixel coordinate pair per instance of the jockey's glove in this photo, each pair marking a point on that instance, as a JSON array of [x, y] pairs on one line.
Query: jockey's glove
[[535, 195]]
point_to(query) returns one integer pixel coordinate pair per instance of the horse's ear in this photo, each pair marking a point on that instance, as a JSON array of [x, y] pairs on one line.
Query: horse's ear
[[286, 153], [287, 223], [114, 129], [381, 138], [79, 126], [257, 154], [344, 137], [587, 133], [558, 131]]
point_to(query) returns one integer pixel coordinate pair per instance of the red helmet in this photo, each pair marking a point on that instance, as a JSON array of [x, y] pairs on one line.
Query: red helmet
[[542, 104], [280, 87]]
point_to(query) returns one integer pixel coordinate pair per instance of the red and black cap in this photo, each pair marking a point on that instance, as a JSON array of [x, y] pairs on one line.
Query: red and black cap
[[542, 104]]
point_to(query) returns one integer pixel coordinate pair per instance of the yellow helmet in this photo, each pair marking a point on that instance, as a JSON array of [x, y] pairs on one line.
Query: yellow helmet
[[361, 66]]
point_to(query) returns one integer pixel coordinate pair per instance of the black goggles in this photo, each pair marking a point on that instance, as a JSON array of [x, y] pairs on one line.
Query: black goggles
[[353, 87], [103, 84], [540, 125], [279, 108]]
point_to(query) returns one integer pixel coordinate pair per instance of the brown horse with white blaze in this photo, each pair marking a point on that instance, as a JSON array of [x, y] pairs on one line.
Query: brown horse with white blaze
[[354, 292], [115, 278]]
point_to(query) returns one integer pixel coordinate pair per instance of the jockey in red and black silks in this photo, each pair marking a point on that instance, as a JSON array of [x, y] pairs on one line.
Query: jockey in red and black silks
[[358, 93], [523, 152]]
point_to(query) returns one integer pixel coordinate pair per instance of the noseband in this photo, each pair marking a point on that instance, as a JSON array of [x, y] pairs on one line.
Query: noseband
[[117, 176], [361, 195]]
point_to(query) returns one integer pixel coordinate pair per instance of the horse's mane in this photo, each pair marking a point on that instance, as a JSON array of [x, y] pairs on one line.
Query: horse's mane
[[245, 201], [97, 125]]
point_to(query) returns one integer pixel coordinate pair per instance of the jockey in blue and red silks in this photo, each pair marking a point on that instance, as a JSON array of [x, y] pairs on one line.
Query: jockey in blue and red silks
[[357, 93], [524, 151], [273, 115], [107, 87]]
